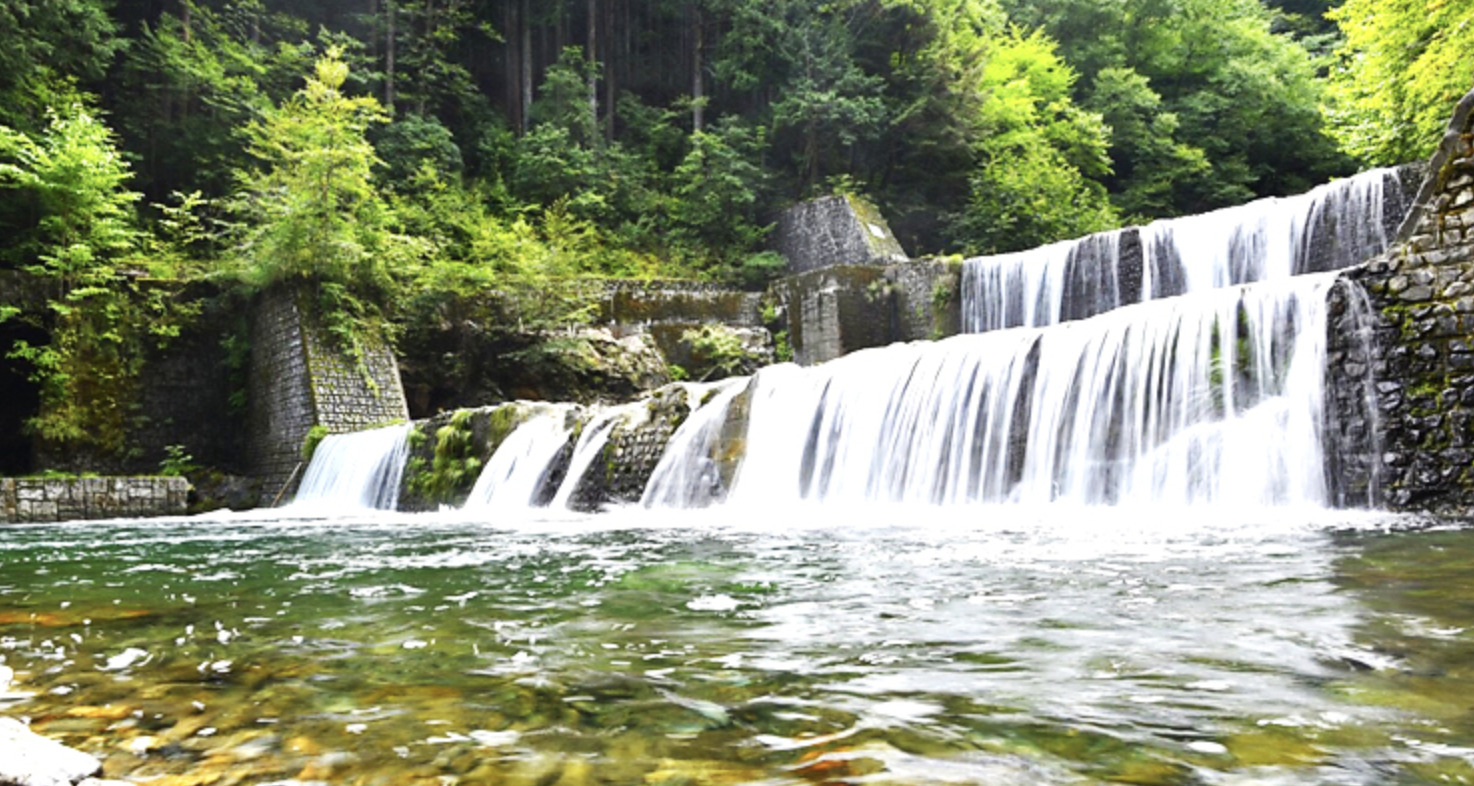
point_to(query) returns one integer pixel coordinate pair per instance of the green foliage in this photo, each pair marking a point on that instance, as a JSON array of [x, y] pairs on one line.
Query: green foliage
[[177, 462], [455, 466], [1402, 66], [414, 143], [71, 183], [1032, 182], [314, 437], [81, 235], [191, 87], [829, 103], [718, 352], [45, 47], [716, 191], [1216, 107], [782, 349], [309, 210], [1149, 162]]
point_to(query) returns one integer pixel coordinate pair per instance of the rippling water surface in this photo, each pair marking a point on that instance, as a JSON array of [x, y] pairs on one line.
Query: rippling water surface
[[907, 645]]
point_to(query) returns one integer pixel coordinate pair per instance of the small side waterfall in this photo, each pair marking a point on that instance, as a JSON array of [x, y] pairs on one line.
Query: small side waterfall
[[1216, 396], [688, 475], [516, 472], [1331, 227], [360, 469], [590, 444]]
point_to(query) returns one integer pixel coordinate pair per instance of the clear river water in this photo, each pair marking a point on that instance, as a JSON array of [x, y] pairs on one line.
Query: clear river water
[[909, 644]]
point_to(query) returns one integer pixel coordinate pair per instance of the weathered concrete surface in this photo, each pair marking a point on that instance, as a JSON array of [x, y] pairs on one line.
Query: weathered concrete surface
[[299, 379], [836, 230], [668, 310], [27, 500], [834, 311], [1419, 412]]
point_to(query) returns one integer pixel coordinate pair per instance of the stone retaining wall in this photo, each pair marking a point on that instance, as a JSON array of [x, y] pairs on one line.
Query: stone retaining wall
[[836, 230], [1422, 295], [300, 380], [32, 500]]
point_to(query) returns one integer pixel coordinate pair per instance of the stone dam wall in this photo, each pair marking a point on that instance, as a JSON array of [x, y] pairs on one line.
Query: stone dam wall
[[448, 451], [299, 379], [1410, 432]]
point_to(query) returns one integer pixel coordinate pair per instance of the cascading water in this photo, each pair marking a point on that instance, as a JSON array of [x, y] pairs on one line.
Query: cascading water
[[1211, 397], [1331, 227], [1071, 279], [361, 469], [688, 475], [591, 442], [515, 474]]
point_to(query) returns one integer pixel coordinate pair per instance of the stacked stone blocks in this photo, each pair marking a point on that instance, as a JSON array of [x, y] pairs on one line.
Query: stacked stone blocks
[[1423, 365], [299, 379], [35, 500]]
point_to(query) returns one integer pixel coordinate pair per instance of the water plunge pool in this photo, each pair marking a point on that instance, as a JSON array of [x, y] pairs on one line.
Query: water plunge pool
[[988, 645]]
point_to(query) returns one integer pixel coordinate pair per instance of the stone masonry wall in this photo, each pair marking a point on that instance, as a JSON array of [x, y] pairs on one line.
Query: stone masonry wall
[[281, 411], [1422, 361], [837, 230], [629, 458], [300, 380], [186, 394], [28, 500], [349, 394]]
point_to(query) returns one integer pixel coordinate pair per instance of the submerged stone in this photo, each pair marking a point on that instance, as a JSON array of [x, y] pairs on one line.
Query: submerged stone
[[28, 759]]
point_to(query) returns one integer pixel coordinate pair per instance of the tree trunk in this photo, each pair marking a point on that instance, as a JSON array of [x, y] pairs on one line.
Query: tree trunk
[[526, 74], [512, 80], [185, 7], [593, 70], [389, 56], [698, 81], [610, 50], [428, 35], [372, 34]]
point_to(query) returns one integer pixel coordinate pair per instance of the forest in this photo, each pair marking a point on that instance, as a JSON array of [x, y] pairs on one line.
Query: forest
[[392, 150]]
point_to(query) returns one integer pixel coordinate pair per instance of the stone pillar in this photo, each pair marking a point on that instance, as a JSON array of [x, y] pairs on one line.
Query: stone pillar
[[836, 230], [299, 380], [837, 297], [835, 311]]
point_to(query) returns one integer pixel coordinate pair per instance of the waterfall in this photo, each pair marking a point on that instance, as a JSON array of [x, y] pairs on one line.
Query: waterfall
[[359, 469], [1211, 397], [591, 442], [1071, 279], [516, 472], [1331, 227], [689, 475]]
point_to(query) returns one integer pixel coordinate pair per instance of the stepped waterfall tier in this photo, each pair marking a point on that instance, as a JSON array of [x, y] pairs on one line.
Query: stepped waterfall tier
[[1213, 397], [1331, 227], [515, 476], [361, 469]]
